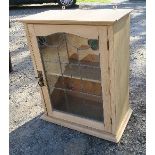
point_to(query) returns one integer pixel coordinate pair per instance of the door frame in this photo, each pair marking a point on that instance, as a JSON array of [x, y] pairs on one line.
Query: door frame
[[95, 32]]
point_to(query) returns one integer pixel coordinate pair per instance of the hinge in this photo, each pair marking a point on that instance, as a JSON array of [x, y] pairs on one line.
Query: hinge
[[108, 45], [40, 78], [111, 121]]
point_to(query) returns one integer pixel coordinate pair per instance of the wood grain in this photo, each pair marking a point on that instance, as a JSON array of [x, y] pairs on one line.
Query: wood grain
[[76, 17], [121, 69]]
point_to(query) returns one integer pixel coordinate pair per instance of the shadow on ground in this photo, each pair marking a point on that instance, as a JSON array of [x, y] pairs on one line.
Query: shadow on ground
[[38, 137]]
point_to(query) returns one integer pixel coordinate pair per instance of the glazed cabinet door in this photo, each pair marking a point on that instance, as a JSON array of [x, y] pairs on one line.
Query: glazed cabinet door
[[70, 61]]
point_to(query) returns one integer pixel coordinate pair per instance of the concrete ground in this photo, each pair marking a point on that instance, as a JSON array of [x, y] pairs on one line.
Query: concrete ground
[[29, 135]]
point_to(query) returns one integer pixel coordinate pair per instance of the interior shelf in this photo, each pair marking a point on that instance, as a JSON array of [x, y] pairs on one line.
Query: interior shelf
[[91, 74], [75, 85]]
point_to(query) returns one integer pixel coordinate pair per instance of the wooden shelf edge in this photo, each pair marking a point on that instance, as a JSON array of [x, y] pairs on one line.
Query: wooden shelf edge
[[123, 125], [87, 130]]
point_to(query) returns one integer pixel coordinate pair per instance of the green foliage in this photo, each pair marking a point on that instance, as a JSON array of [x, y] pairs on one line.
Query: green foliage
[[100, 1]]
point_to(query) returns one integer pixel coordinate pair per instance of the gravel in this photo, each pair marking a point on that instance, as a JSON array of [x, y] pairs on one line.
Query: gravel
[[29, 135]]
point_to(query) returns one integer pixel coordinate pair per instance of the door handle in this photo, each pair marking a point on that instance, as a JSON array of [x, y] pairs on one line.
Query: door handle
[[40, 78]]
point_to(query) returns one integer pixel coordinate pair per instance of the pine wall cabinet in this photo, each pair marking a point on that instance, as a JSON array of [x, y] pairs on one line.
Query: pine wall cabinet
[[81, 60]]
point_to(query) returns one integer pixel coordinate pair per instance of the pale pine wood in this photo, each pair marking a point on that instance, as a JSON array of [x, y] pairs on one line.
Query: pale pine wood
[[39, 65], [87, 31], [81, 128], [89, 130], [31, 49], [34, 63], [78, 17], [110, 39], [104, 65], [121, 69], [112, 30], [78, 120], [123, 125]]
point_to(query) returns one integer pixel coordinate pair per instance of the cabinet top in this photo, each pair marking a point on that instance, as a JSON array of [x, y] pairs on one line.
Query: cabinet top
[[77, 17]]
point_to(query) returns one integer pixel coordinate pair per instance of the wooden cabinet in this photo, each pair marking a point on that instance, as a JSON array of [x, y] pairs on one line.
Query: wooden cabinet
[[81, 59]]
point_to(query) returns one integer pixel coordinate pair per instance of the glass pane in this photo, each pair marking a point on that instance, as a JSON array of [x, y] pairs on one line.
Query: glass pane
[[72, 67], [90, 73], [78, 104], [71, 70]]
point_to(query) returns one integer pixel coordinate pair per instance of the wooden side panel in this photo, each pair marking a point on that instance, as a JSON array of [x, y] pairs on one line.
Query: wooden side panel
[[39, 66], [120, 76]]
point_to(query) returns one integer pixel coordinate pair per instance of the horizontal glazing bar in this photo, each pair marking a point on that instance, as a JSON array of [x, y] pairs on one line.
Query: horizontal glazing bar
[[71, 76], [74, 64]]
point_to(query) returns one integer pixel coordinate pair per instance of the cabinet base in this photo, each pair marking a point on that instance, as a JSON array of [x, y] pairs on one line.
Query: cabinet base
[[97, 133]]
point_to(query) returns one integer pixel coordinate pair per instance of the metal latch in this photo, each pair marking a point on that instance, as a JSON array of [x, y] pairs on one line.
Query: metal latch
[[108, 45], [40, 78]]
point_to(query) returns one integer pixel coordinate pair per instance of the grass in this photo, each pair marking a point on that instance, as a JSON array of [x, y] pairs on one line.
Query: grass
[[100, 1]]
